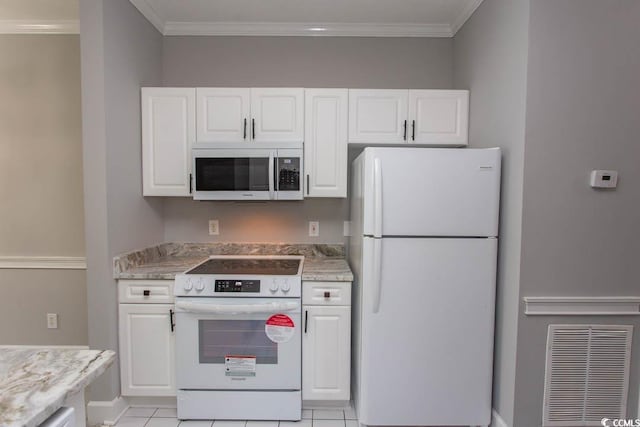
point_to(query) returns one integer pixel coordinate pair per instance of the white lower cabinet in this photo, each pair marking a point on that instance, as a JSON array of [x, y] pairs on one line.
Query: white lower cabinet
[[147, 362], [326, 342]]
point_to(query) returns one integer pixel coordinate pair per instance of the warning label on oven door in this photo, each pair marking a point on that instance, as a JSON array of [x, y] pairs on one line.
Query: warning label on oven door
[[279, 328], [240, 366]]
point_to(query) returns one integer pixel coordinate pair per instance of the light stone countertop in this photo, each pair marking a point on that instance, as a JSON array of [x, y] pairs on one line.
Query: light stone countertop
[[35, 382], [321, 263]]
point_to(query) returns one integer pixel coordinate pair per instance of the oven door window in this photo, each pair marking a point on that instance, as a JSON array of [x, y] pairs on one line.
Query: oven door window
[[232, 174], [219, 338]]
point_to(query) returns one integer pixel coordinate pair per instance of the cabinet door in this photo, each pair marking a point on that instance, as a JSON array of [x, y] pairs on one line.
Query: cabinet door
[[223, 114], [146, 350], [439, 117], [277, 114], [326, 343], [168, 130], [325, 146], [378, 116]]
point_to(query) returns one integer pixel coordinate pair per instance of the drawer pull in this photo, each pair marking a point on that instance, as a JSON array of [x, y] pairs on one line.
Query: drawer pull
[[146, 292], [327, 294]]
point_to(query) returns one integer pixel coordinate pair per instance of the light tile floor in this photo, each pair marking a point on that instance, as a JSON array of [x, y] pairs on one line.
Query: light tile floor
[[166, 417]]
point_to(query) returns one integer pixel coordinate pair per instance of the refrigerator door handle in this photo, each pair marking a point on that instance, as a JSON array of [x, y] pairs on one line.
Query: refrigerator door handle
[[377, 198], [377, 274]]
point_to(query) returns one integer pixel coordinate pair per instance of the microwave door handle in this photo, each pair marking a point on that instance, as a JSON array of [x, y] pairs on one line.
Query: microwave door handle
[[271, 176]]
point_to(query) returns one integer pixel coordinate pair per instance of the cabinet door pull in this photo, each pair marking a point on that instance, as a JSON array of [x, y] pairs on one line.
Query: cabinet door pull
[[146, 292], [245, 129], [171, 322], [306, 316], [405, 131], [307, 184], [413, 130], [190, 183], [327, 294], [253, 128]]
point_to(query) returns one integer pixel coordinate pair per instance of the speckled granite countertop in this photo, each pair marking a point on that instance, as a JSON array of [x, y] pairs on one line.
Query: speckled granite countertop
[[321, 263], [35, 382]]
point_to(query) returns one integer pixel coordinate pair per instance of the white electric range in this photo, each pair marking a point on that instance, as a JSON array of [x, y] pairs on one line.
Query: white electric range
[[238, 338]]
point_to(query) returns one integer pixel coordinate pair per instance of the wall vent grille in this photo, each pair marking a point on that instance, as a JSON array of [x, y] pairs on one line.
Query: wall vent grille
[[586, 374]]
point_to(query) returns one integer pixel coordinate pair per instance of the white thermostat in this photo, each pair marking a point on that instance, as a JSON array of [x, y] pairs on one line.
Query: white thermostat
[[603, 179]]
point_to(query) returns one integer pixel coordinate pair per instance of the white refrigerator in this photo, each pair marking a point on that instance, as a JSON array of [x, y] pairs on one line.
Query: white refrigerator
[[424, 253]]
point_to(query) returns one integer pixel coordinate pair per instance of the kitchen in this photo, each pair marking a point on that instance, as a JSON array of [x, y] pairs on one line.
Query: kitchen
[[489, 56]]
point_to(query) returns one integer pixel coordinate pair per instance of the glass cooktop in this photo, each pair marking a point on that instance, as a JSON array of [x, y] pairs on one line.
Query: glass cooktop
[[250, 266]]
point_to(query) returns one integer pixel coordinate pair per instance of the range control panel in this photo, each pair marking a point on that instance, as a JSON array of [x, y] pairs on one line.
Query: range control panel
[[237, 286]]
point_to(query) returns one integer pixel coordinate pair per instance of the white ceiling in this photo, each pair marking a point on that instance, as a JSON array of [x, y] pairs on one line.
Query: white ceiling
[[417, 18]]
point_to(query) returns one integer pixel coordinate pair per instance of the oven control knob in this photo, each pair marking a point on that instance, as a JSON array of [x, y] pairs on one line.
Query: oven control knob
[[286, 287], [274, 287], [188, 285], [200, 285]]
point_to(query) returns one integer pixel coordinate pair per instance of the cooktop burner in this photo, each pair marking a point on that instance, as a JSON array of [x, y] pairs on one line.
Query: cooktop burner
[[251, 266]]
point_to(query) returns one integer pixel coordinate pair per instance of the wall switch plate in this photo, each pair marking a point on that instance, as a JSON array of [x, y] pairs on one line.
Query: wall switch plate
[[214, 228], [346, 228], [52, 320], [603, 179], [314, 228]]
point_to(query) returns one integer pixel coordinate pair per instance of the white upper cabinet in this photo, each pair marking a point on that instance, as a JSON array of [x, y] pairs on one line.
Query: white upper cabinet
[[325, 142], [427, 117], [378, 116], [277, 114], [223, 114], [439, 117], [168, 131]]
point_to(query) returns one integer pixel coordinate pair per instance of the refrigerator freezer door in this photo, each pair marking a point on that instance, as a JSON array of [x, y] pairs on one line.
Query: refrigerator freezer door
[[431, 192], [425, 355]]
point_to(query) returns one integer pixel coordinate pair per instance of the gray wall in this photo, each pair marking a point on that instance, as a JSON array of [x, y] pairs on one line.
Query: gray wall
[[582, 114], [308, 62], [121, 51], [41, 187], [297, 62], [490, 57]]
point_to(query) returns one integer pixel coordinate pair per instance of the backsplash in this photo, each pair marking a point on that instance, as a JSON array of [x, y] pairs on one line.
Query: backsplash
[[186, 220]]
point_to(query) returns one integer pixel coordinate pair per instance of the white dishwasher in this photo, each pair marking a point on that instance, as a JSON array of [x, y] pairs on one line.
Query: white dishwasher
[[64, 417]]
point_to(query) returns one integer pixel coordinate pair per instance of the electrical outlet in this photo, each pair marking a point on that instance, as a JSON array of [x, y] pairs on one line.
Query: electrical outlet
[[214, 229], [314, 228], [52, 320]]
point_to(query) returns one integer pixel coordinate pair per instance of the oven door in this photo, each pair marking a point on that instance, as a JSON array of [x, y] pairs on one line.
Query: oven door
[[238, 343], [227, 174]]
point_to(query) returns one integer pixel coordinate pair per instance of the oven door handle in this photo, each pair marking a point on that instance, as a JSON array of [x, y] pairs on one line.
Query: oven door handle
[[209, 308]]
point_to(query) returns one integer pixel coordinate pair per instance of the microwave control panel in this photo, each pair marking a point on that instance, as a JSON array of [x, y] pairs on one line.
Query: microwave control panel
[[289, 173]]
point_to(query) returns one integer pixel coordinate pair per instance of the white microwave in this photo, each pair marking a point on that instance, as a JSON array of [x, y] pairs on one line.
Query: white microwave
[[247, 173]]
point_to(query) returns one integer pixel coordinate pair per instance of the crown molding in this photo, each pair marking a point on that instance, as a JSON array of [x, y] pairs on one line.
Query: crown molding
[[305, 29], [43, 263], [151, 14], [179, 28], [464, 15], [36, 26]]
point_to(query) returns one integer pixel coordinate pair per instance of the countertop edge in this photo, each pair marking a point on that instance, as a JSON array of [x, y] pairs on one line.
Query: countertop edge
[[91, 372]]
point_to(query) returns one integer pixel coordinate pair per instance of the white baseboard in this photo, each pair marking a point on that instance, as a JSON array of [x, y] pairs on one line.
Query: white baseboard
[[496, 420], [106, 412]]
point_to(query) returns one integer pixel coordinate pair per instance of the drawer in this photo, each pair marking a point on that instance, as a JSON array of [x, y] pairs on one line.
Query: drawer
[[326, 293], [149, 291]]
